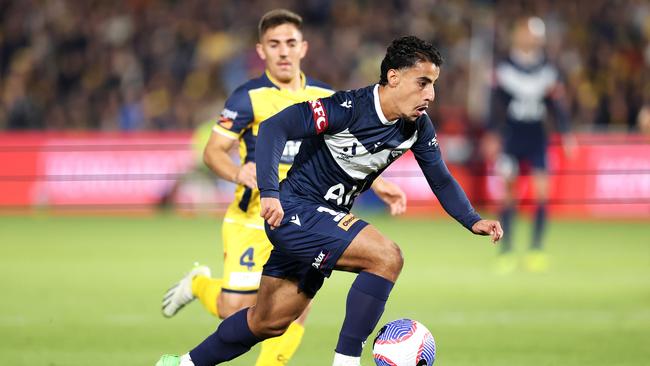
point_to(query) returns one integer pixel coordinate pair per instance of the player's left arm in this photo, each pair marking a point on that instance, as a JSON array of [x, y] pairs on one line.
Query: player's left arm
[[391, 194], [556, 101], [450, 194]]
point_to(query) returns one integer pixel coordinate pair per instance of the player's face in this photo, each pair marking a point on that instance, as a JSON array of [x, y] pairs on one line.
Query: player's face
[[282, 48], [529, 36], [415, 89]]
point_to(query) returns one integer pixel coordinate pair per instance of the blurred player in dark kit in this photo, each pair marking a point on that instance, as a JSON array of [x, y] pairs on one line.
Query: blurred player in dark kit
[[526, 88]]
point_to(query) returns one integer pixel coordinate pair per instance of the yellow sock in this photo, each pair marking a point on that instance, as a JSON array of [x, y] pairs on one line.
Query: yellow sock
[[277, 351], [207, 289]]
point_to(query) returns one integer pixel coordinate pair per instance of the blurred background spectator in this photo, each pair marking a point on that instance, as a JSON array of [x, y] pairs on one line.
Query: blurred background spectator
[[168, 65]]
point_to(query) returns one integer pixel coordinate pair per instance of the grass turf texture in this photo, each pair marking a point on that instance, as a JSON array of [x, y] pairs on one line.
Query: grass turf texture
[[87, 291]]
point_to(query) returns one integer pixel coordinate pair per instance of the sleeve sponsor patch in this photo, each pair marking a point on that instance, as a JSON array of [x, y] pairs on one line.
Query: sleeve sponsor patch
[[225, 122], [227, 113], [320, 116]]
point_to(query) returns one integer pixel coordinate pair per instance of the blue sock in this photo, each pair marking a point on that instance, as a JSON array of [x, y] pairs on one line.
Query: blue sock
[[507, 216], [232, 338], [538, 228], [364, 306]]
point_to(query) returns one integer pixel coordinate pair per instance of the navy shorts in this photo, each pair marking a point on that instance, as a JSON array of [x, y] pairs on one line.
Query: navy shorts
[[309, 242], [527, 147]]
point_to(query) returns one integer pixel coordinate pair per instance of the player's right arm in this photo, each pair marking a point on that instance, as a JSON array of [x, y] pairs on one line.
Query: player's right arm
[[491, 141], [217, 157], [235, 119], [298, 121], [290, 123]]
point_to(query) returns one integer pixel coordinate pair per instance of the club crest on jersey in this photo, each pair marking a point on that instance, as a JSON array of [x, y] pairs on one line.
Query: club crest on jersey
[[395, 154], [320, 116]]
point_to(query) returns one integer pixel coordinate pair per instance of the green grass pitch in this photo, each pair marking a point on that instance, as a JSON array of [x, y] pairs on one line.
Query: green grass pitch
[[87, 290]]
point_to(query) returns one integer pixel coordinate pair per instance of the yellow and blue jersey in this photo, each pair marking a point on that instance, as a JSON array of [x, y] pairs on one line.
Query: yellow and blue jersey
[[249, 105]]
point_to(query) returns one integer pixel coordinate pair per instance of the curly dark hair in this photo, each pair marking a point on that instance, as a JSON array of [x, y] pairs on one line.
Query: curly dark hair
[[405, 52]]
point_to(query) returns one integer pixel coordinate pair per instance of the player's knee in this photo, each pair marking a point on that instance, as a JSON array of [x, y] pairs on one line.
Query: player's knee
[[395, 258], [270, 328], [224, 313], [390, 258], [228, 305]]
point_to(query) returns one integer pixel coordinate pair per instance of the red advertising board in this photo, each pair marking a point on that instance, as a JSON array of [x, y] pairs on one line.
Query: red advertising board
[[609, 176], [90, 169]]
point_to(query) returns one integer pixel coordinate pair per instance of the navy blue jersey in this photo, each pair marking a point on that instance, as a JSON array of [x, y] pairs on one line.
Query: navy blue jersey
[[347, 143], [522, 96]]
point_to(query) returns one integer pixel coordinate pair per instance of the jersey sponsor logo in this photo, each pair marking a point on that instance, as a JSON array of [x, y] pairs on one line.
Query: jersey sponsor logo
[[346, 104], [347, 222], [337, 194], [320, 259], [320, 117], [348, 152]]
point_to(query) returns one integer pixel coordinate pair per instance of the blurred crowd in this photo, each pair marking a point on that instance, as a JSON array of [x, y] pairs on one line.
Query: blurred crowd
[[168, 65]]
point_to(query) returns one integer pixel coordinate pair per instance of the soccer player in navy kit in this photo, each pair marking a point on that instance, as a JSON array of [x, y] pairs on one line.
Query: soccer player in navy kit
[[526, 87], [348, 140], [246, 246]]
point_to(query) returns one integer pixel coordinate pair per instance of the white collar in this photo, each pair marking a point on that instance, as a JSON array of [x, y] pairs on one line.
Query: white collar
[[382, 118]]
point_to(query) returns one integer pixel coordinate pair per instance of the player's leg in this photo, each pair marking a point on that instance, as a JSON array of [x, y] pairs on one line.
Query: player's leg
[[279, 303], [540, 178], [508, 169], [181, 293], [246, 249], [324, 239], [379, 262], [536, 260], [277, 351]]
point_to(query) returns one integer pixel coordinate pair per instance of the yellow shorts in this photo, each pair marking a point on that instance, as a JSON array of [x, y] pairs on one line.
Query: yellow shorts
[[246, 249]]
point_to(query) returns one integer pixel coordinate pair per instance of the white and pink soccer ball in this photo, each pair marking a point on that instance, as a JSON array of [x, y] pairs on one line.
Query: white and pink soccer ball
[[404, 342]]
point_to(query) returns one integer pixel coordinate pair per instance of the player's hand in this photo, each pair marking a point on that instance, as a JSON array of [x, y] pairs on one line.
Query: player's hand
[[490, 146], [569, 145], [488, 227], [247, 175], [271, 210], [391, 194]]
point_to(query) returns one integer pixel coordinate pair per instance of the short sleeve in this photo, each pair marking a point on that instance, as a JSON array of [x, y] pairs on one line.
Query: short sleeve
[[236, 116]]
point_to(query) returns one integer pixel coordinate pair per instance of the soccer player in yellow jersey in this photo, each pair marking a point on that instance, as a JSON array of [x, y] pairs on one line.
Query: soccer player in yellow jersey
[[246, 247]]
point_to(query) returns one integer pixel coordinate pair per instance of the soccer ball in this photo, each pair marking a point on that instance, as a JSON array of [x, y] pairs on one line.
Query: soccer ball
[[404, 342]]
